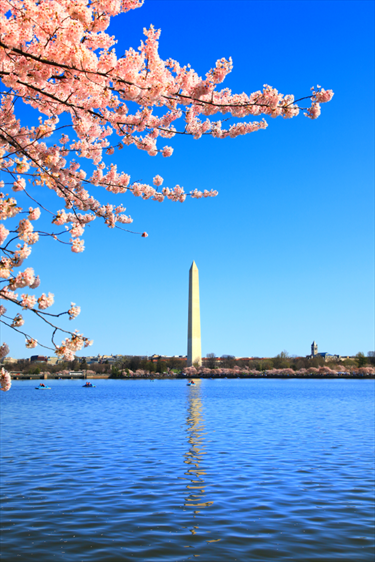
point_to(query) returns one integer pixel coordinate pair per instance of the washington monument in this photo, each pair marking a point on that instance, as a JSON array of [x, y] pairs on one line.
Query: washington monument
[[194, 353]]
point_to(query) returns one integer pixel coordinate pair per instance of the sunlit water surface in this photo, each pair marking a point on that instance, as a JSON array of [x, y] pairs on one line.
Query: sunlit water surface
[[226, 470]]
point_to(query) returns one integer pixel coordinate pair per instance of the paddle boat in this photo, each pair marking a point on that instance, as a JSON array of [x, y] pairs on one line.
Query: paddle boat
[[191, 383], [88, 385], [42, 387]]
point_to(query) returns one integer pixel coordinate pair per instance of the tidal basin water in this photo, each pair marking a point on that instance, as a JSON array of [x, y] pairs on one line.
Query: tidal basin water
[[247, 470]]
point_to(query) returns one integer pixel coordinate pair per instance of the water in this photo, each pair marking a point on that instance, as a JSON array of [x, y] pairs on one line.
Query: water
[[227, 470]]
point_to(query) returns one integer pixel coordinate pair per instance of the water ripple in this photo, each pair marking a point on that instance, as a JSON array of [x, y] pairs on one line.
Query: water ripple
[[224, 470]]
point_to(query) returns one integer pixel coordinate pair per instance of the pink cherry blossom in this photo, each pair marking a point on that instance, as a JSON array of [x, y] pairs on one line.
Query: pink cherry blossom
[[70, 345], [73, 311], [23, 279], [31, 238], [36, 283], [77, 246], [28, 301], [31, 343], [167, 151], [7, 294], [5, 380], [322, 95], [76, 230], [158, 180], [45, 301], [5, 268], [25, 228], [8, 207], [3, 233], [4, 350], [19, 185], [314, 111], [34, 214], [21, 254], [18, 321]]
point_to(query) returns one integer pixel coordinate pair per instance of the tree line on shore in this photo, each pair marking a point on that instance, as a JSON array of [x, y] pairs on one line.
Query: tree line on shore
[[281, 365]]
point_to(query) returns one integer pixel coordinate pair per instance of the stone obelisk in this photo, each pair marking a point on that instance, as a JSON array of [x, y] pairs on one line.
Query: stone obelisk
[[194, 353]]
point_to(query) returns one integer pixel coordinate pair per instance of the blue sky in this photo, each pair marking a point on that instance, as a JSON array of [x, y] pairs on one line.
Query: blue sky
[[286, 251]]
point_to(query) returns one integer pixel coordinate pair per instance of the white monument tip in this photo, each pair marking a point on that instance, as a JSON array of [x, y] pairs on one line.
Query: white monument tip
[[193, 265]]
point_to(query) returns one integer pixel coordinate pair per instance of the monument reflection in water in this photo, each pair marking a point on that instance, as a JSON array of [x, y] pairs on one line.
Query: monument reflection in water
[[196, 498]]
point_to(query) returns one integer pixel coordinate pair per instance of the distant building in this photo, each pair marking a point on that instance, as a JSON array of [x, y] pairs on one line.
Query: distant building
[[92, 359], [326, 356], [329, 357], [52, 360], [39, 358], [155, 358], [109, 359], [323, 354], [9, 360]]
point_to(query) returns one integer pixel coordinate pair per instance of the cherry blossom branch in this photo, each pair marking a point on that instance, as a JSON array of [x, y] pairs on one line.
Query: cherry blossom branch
[[61, 60], [27, 336]]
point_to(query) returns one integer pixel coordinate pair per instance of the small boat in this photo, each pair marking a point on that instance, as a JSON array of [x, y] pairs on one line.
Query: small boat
[[88, 386], [42, 388]]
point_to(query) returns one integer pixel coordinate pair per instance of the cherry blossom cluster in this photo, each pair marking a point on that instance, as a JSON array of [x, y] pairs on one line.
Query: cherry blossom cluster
[[196, 194], [237, 371], [318, 96], [74, 311], [5, 380], [13, 258], [4, 350], [71, 345], [18, 321], [58, 61], [31, 343]]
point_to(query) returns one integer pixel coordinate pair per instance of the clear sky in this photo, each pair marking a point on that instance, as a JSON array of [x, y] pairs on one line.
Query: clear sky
[[286, 251]]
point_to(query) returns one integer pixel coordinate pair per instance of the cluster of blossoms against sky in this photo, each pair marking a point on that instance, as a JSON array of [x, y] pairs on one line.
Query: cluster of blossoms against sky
[[56, 56]]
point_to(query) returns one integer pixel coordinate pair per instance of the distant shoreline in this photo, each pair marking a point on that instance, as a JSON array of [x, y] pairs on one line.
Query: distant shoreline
[[186, 377]]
